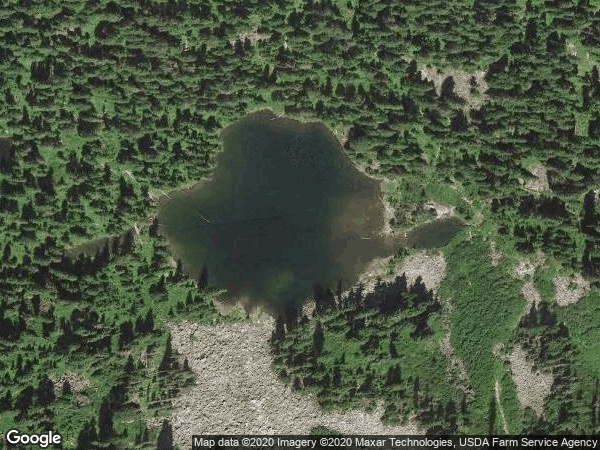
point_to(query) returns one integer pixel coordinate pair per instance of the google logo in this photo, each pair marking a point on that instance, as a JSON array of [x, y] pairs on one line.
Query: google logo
[[41, 440]]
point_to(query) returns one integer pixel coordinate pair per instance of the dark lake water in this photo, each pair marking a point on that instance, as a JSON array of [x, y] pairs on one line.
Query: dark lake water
[[433, 234], [284, 209]]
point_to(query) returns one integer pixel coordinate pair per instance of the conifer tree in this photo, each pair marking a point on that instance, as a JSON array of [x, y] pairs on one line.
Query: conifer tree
[[45, 391], [318, 339], [167, 358], [165, 437], [87, 435], [105, 420]]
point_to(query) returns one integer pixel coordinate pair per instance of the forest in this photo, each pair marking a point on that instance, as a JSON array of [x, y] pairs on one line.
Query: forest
[[107, 106], [374, 331]]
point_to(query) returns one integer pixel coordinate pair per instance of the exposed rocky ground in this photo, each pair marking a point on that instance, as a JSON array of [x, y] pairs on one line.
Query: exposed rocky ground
[[252, 36], [441, 211], [539, 182], [456, 371], [531, 294], [78, 385], [527, 266], [237, 391], [533, 386], [77, 382], [470, 87], [568, 290], [431, 267]]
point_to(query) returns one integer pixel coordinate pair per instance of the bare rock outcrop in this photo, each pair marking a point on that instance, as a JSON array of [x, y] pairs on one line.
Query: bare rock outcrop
[[527, 267], [539, 181], [77, 382], [531, 294], [431, 267], [568, 290], [238, 392], [465, 84], [533, 386]]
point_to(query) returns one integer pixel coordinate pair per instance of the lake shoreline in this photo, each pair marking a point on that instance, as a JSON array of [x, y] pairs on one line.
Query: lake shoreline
[[278, 177]]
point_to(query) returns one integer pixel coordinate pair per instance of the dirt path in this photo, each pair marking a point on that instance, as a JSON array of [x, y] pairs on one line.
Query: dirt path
[[237, 391], [504, 424]]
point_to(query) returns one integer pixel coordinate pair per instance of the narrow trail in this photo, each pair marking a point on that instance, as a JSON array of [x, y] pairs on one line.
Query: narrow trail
[[504, 424]]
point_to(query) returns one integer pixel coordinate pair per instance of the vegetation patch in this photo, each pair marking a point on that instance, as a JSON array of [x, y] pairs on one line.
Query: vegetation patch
[[362, 347]]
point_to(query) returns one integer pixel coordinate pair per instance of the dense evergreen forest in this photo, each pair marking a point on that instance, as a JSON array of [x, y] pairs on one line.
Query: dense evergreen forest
[[351, 352], [107, 105]]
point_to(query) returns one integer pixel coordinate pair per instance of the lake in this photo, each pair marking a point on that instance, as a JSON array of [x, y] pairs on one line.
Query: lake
[[434, 234], [284, 209]]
